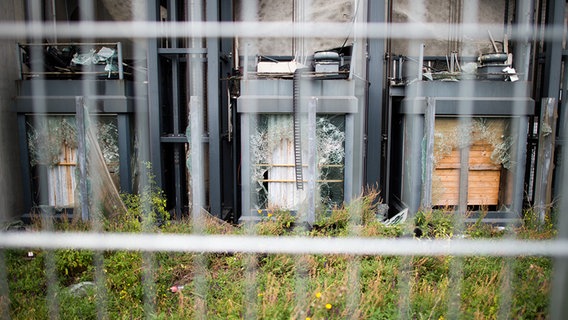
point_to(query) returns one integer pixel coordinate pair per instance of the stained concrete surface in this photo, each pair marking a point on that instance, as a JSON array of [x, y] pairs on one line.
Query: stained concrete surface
[[436, 11], [440, 11]]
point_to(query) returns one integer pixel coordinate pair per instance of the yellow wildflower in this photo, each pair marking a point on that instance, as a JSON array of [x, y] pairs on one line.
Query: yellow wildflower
[[328, 306]]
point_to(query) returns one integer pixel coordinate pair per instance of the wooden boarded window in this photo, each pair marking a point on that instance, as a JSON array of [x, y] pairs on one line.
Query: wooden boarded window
[[489, 145]]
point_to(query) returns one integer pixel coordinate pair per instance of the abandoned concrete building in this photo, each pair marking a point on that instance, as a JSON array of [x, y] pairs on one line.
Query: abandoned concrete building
[[468, 114]]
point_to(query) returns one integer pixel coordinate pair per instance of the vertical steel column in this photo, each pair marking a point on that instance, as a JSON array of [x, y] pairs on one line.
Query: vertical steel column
[[154, 114], [349, 192], [246, 169], [522, 53], [553, 70], [213, 114], [176, 105], [375, 76], [81, 121], [553, 48], [312, 162], [547, 135], [559, 290], [230, 137], [124, 149], [518, 150], [412, 165], [25, 159], [428, 158], [195, 139]]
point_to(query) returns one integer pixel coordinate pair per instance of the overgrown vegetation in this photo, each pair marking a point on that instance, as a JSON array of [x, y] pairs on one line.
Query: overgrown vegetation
[[279, 286]]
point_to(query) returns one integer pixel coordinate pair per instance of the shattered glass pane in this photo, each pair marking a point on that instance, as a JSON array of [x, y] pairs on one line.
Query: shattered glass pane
[[52, 145], [272, 155]]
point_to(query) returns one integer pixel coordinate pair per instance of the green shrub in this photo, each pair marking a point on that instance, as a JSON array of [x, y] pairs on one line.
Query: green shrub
[[435, 223], [282, 285], [74, 265], [276, 222], [145, 210]]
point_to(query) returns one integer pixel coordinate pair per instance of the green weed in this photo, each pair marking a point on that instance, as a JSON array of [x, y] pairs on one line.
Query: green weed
[[281, 286]]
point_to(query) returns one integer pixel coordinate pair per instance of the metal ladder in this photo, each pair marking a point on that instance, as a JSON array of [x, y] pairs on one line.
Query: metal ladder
[[297, 130]]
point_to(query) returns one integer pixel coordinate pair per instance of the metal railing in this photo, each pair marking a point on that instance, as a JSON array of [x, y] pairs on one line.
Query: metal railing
[[72, 59]]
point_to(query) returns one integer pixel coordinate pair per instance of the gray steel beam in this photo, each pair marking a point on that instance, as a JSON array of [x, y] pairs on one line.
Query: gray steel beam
[[66, 104], [428, 170], [213, 117], [559, 291], [175, 94], [350, 191], [553, 72], [312, 163], [154, 114], [375, 77], [543, 178], [496, 106], [175, 105], [196, 158], [522, 53], [229, 142], [412, 162], [519, 126], [246, 170], [124, 149], [177, 179], [553, 48], [283, 104], [24, 156], [553, 68], [81, 120]]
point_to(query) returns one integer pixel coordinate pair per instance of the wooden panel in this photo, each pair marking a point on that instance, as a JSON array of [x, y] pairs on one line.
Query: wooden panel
[[483, 179], [483, 187], [484, 175], [62, 180], [282, 195], [478, 155]]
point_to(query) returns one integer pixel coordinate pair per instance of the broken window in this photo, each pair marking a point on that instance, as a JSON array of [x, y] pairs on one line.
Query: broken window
[[272, 156], [52, 149]]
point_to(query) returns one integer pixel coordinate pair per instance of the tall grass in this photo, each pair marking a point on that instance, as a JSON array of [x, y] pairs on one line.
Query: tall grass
[[280, 286]]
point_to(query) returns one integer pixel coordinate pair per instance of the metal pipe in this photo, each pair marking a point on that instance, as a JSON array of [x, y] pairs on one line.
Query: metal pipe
[[312, 161], [82, 157], [420, 60], [54, 16], [120, 67]]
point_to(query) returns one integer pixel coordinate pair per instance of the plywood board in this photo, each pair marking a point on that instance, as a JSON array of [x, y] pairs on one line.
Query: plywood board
[[484, 177], [483, 187]]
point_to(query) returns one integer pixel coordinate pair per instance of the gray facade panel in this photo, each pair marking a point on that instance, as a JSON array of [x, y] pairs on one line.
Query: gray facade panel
[[283, 104]]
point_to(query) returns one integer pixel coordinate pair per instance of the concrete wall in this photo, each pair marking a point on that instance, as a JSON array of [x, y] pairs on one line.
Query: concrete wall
[[440, 11], [11, 205], [283, 10], [436, 11]]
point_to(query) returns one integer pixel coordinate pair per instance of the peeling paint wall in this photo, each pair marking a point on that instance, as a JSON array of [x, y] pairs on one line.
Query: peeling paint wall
[[11, 200]]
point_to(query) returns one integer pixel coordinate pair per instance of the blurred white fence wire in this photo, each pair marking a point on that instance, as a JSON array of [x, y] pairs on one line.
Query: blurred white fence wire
[[142, 30]]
